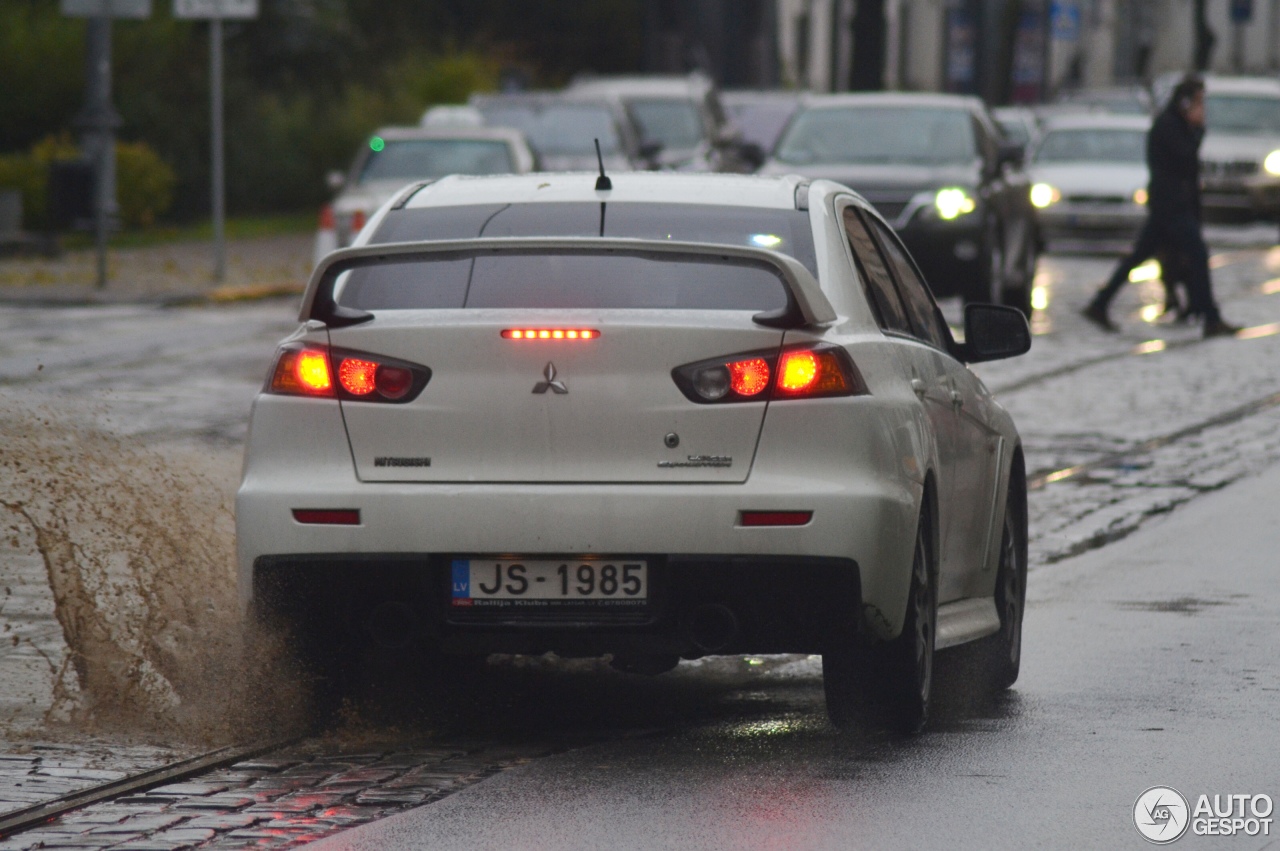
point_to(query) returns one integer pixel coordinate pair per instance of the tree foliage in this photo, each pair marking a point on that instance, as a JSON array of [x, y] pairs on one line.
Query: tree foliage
[[304, 83]]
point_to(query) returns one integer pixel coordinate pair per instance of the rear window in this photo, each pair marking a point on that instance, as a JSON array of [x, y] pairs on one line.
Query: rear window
[[786, 231], [559, 279], [412, 159]]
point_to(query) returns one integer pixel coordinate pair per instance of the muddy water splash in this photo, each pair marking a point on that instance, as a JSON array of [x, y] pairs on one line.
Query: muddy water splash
[[138, 545]]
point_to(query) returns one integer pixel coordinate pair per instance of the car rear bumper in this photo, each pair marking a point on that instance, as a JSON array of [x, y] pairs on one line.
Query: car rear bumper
[[697, 605], [419, 525]]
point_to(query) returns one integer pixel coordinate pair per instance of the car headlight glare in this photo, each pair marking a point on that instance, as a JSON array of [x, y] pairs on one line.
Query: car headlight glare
[[1140, 197], [953, 203], [1043, 195], [1272, 163]]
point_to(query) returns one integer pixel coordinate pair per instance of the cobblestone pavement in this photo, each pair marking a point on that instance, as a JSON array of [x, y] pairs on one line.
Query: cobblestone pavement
[[284, 800], [35, 772]]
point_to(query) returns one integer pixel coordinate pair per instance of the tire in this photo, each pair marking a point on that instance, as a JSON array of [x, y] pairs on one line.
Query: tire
[[1004, 649], [889, 685]]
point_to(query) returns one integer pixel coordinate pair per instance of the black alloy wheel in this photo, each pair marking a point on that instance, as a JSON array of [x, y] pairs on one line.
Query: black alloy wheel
[[889, 685]]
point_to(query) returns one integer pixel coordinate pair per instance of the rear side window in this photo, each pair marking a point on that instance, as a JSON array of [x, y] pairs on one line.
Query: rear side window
[[556, 279], [920, 306], [876, 280]]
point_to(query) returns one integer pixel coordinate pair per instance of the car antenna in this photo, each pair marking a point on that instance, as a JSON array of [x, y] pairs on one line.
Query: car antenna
[[603, 181]]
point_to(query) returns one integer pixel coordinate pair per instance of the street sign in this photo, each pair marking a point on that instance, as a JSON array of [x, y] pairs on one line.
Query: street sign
[[106, 8], [208, 10]]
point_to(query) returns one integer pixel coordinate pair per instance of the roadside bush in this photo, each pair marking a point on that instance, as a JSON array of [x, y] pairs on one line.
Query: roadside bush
[[29, 174], [144, 182]]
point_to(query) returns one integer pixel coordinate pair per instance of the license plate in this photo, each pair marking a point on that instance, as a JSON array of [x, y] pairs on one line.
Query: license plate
[[585, 583]]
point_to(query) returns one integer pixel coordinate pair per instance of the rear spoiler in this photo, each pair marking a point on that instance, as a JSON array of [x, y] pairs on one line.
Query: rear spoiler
[[807, 305]]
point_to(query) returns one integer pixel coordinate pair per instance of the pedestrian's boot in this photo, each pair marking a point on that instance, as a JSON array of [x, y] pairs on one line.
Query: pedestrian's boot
[[1096, 313], [1217, 328]]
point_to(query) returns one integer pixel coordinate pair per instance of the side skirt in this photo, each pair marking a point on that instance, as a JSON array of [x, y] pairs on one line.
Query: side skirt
[[966, 620]]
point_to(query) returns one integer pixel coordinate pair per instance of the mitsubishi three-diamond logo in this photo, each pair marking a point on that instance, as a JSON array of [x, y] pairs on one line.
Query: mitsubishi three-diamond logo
[[551, 383]]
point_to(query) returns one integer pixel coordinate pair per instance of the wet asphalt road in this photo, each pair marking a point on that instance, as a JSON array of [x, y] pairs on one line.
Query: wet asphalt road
[[1149, 662]]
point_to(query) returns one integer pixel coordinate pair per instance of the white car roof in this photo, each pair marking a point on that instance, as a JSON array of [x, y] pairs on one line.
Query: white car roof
[[1097, 121], [452, 131], [826, 101], [737, 190], [1242, 86], [693, 86]]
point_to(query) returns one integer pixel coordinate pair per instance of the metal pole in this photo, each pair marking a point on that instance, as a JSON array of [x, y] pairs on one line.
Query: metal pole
[[99, 120], [219, 178]]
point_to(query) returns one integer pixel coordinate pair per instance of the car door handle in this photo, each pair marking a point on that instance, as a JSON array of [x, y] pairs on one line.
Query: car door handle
[[919, 387]]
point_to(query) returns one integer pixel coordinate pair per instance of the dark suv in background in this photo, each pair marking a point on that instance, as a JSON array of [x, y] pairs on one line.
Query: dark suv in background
[[939, 170]]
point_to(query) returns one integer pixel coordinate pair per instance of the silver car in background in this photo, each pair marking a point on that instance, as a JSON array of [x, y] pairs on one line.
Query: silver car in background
[[562, 130], [1240, 156], [394, 156], [1089, 176], [682, 114]]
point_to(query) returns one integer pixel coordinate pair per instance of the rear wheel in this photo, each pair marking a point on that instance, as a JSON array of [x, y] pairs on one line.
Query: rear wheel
[[889, 684]]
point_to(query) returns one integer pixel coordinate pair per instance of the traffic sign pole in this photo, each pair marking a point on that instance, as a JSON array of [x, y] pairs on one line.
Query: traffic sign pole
[[98, 119], [215, 11], [219, 162]]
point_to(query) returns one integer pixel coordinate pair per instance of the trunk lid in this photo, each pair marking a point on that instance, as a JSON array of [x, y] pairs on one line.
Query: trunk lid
[[479, 418]]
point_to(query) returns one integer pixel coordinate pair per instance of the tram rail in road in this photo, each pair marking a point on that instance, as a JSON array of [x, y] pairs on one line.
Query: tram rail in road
[[17, 821]]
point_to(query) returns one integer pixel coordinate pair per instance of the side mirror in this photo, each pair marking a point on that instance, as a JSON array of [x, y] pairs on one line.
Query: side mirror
[[994, 332], [334, 180]]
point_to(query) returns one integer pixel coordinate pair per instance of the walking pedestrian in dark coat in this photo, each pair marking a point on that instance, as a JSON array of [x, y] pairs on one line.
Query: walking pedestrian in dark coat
[[1173, 210]]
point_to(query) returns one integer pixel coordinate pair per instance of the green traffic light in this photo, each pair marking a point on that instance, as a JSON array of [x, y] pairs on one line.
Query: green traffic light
[[377, 143]]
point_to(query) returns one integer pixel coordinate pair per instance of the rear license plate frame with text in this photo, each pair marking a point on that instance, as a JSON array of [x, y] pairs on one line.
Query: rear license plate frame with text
[[541, 583]]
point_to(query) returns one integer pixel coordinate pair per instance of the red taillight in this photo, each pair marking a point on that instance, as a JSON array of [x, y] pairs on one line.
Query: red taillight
[[304, 370], [326, 217], [328, 516], [358, 376], [550, 334], [801, 372], [357, 222], [394, 382], [749, 377], [807, 372], [774, 518]]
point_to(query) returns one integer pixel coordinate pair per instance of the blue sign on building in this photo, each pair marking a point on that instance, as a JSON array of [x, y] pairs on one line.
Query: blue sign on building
[[1064, 20]]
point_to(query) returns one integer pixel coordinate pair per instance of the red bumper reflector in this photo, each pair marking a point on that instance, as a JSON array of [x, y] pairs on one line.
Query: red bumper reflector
[[328, 516], [774, 518]]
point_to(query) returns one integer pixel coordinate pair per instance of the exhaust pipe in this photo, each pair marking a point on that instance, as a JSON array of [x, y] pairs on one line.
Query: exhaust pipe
[[392, 625], [713, 627]]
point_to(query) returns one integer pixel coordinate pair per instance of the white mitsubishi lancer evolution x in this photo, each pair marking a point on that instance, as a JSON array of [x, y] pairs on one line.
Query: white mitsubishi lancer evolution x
[[662, 418]]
